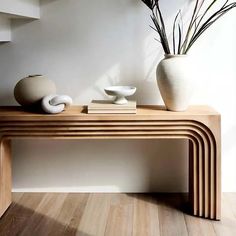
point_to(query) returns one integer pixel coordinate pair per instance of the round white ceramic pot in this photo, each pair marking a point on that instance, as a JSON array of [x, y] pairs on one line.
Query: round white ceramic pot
[[175, 81], [30, 90]]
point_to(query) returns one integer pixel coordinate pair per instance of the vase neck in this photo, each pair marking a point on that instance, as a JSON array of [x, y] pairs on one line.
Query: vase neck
[[167, 56]]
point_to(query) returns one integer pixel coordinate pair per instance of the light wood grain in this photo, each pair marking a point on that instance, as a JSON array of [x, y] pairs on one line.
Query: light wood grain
[[199, 124], [145, 208], [196, 226], [68, 219], [42, 214], [227, 226], [40, 223], [120, 217], [5, 175], [95, 216], [169, 212], [72, 227], [17, 218], [80, 113]]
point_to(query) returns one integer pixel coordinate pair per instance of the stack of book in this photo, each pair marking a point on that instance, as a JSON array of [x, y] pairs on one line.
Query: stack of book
[[107, 107]]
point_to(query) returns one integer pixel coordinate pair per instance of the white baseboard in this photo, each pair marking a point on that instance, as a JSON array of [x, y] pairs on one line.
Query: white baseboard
[[87, 189]]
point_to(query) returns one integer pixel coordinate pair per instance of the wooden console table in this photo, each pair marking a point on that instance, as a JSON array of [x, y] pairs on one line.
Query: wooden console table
[[200, 125]]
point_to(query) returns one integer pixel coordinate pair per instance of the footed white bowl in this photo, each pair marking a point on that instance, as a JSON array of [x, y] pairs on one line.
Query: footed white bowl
[[120, 92]]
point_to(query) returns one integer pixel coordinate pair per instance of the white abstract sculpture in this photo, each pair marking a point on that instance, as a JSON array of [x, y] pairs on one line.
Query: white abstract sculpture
[[54, 104]]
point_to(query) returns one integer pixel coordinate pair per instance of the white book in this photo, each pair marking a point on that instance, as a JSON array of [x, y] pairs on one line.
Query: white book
[[107, 106]]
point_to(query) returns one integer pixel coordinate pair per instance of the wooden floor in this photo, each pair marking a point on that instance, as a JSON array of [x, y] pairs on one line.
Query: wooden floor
[[41, 214]]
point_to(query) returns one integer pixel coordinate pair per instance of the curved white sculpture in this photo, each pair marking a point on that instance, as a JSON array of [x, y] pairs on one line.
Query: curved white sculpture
[[61, 99], [54, 104]]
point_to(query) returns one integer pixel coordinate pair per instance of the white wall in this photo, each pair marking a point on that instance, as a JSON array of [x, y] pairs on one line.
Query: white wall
[[5, 29], [86, 45], [28, 8]]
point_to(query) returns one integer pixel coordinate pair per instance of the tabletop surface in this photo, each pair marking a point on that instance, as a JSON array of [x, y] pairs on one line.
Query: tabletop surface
[[145, 112]]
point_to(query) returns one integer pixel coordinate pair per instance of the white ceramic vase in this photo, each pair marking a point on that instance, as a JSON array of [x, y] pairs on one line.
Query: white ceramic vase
[[175, 80]]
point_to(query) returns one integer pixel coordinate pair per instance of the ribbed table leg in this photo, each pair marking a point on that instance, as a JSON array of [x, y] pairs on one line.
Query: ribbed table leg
[[5, 175]]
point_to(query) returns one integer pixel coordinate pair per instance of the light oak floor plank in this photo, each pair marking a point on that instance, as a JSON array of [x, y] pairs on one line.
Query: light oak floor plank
[[60, 214], [146, 219], [120, 217], [227, 226], [70, 215], [16, 197], [18, 216], [197, 226], [171, 219], [94, 219], [43, 218]]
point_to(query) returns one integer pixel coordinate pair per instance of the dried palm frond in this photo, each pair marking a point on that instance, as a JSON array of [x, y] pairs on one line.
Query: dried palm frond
[[198, 24]]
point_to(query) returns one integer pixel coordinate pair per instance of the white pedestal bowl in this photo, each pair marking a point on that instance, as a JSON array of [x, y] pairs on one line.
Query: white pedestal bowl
[[120, 93]]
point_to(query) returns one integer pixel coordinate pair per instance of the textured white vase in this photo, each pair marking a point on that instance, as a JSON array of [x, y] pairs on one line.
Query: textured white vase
[[175, 77]]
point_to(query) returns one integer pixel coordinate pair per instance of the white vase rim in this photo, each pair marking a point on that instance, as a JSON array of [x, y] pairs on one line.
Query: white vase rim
[[36, 75], [175, 55]]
